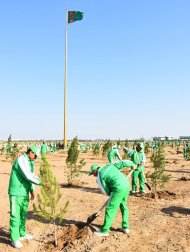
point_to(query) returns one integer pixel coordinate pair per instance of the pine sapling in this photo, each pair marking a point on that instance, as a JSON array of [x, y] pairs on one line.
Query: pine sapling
[[48, 200], [96, 149], [106, 147], [13, 151], [158, 178], [73, 167]]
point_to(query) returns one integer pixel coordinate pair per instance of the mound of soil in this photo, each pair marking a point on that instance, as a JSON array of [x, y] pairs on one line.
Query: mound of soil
[[71, 236], [161, 195]]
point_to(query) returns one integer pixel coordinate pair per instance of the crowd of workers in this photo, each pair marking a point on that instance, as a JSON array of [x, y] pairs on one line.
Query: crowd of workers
[[110, 179]]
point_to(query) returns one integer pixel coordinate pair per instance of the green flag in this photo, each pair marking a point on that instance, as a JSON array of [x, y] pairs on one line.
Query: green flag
[[74, 16]]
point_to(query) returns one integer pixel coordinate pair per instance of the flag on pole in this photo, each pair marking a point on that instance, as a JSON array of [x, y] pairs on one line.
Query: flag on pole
[[74, 16]]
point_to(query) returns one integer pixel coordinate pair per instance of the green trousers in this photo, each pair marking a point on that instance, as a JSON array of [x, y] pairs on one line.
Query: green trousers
[[185, 155], [117, 200], [18, 211], [138, 174]]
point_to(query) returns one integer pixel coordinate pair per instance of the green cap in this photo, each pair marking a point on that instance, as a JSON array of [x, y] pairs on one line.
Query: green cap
[[141, 145], [93, 168], [36, 151]]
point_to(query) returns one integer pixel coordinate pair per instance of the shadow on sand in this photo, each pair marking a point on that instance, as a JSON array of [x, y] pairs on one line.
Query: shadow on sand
[[82, 188], [176, 209], [4, 236], [178, 171]]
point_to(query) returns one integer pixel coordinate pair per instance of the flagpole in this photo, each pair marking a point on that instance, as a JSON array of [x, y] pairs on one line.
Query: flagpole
[[65, 86]]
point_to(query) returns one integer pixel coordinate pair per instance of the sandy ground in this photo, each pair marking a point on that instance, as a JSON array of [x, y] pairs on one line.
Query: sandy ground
[[156, 225]]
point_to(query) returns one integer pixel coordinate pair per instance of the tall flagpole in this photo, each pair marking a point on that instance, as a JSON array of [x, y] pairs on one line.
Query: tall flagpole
[[65, 86]]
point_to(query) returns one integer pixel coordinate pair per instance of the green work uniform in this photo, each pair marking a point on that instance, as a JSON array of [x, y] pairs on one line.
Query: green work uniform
[[21, 183], [138, 157], [185, 151], [115, 184], [52, 147], [112, 154], [44, 149]]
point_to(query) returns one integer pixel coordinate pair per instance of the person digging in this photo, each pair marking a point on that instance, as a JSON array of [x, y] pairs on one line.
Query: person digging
[[114, 183]]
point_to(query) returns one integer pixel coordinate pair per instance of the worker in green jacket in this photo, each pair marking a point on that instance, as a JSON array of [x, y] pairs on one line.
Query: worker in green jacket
[[138, 157], [21, 183], [44, 148], [113, 154], [114, 183], [185, 151]]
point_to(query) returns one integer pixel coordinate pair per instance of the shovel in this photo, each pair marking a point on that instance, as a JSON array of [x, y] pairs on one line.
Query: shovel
[[148, 186], [92, 217]]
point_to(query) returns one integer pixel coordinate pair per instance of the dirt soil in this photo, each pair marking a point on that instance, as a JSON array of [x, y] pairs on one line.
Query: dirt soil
[[161, 224]]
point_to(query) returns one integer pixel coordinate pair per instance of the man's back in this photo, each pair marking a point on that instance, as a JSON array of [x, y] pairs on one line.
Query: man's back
[[114, 179]]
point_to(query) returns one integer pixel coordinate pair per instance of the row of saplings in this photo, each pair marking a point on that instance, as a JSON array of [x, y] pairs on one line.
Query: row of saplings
[[47, 205]]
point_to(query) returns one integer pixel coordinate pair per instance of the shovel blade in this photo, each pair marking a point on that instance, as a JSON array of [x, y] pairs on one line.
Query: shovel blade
[[148, 186], [91, 218]]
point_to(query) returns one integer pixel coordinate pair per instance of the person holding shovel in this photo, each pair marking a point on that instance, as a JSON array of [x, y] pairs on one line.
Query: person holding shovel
[[138, 157], [114, 183], [21, 183]]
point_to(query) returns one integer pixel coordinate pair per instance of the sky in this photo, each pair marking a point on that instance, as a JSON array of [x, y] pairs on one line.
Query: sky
[[127, 71]]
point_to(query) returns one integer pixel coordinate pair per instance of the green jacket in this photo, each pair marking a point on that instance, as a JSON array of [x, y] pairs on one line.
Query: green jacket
[[113, 153], [110, 179], [44, 149], [22, 177], [138, 157]]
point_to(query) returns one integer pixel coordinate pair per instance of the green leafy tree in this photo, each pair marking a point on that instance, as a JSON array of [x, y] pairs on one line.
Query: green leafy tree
[[106, 147], [158, 178], [73, 167], [47, 205]]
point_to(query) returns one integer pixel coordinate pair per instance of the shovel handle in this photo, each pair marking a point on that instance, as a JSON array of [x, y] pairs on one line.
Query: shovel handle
[[102, 207], [130, 173]]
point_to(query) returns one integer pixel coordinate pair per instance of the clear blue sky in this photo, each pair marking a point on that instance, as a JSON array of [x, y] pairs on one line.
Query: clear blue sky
[[128, 69]]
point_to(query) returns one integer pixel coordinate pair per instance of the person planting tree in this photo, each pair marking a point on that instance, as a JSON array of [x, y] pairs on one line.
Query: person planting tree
[[114, 183], [21, 183], [138, 157]]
